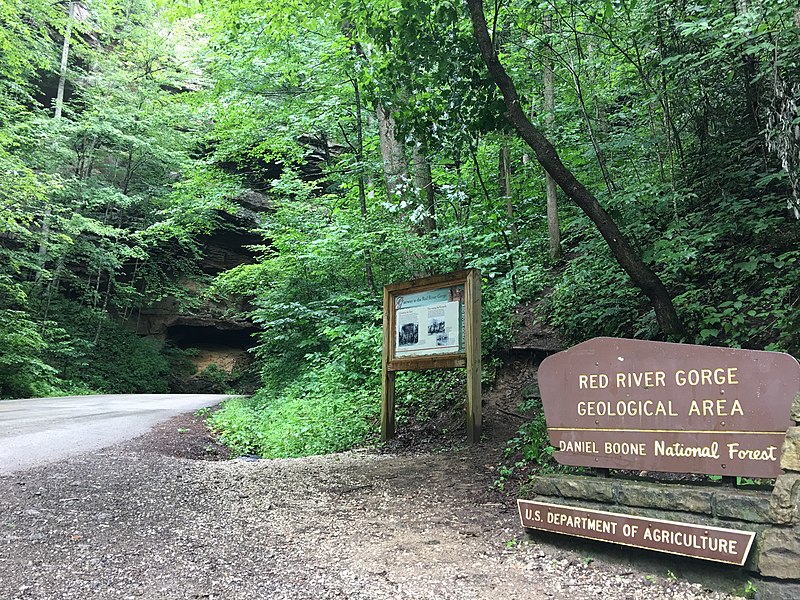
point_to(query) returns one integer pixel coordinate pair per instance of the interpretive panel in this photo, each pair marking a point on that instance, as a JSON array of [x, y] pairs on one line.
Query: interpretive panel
[[430, 322], [655, 406], [698, 541]]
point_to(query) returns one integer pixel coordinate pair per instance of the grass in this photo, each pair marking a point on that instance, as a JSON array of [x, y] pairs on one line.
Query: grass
[[307, 417]]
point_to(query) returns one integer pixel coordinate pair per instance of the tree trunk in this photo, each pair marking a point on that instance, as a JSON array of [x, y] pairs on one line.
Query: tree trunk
[[670, 130], [62, 79], [126, 182], [641, 275], [423, 181], [362, 194], [553, 229], [504, 169], [395, 165], [504, 173], [62, 74]]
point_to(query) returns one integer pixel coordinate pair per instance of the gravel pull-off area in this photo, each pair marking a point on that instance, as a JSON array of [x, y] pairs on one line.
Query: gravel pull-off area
[[132, 522]]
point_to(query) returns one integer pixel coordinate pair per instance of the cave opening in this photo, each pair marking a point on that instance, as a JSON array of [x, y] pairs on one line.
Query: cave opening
[[213, 358], [200, 336]]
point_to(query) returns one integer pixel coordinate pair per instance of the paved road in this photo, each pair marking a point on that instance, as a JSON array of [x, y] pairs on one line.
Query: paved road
[[41, 430]]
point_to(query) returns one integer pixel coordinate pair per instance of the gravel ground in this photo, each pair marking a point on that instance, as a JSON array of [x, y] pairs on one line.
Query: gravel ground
[[134, 522]]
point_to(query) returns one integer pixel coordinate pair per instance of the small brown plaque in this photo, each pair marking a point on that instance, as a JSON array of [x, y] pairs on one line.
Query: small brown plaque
[[698, 541], [655, 406]]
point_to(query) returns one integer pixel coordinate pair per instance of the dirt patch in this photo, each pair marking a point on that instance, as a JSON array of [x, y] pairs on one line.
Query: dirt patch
[[185, 436], [134, 523], [533, 333]]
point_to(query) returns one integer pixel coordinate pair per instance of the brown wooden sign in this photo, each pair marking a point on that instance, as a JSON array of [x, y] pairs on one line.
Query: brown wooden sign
[[655, 406], [698, 541]]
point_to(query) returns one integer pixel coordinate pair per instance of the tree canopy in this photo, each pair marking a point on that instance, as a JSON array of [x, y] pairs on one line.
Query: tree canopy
[[384, 151]]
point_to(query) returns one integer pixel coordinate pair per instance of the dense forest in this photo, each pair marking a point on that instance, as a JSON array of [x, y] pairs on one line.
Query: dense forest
[[626, 168]]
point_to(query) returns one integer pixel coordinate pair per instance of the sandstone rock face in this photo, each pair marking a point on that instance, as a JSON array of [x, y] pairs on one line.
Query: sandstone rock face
[[230, 244], [777, 590]]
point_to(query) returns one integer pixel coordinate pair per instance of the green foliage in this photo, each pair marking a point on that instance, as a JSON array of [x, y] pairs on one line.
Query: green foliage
[[529, 452], [126, 363], [331, 407], [531, 441], [299, 423], [23, 370], [58, 356], [25, 48], [92, 351], [180, 361], [423, 396], [100, 210], [530, 445], [20, 188], [679, 118], [750, 590], [580, 313], [216, 377], [634, 118]]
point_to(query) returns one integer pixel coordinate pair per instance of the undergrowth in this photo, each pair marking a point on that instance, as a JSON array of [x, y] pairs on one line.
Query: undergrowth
[[529, 452], [321, 378], [74, 351], [307, 418], [321, 412]]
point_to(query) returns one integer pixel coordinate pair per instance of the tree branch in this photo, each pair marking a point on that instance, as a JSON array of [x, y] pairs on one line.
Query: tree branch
[[641, 275]]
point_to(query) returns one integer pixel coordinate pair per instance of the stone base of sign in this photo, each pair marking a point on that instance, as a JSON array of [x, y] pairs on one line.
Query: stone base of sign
[[790, 455], [784, 505], [777, 590], [737, 505], [774, 515], [779, 554], [776, 553]]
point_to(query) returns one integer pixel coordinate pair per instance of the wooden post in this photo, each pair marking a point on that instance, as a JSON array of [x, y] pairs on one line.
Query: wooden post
[[472, 347], [387, 410], [388, 377]]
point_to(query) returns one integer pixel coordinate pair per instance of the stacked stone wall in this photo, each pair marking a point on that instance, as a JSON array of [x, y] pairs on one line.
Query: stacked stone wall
[[779, 545]]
